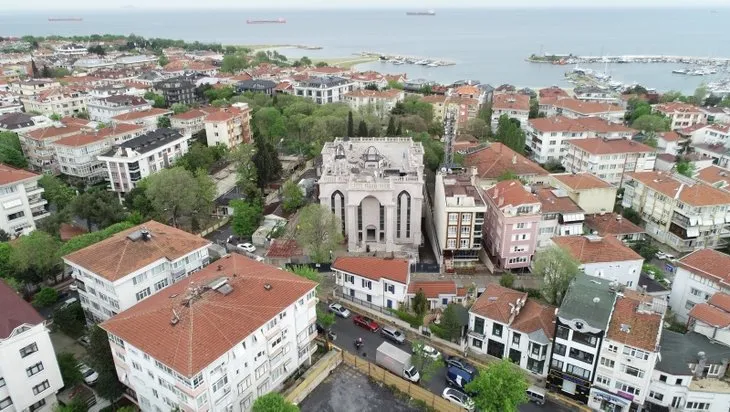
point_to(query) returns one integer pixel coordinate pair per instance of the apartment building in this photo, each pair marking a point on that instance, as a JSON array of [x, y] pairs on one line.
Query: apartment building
[[712, 319], [77, 155], [256, 86], [608, 159], [216, 341], [592, 194], [115, 274], [324, 89], [515, 106], [374, 185], [21, 201], [229, 126], [147, 118], [106, 108], [699, 276], [561, 216], [505, 323], [364, 79], [380, 282], [131, 161], [604, 257], [576, 109], [613, 224], [628, 354], [669, 142], [512, 224], [438, 293], [31, 87], [547, 136], [380, 102], [29, 373], [190, 122], [178, 90], [714, 176], [464, 108], [682, 213], [60, 101], [580, 329], [38, 145], [712, 134], [496, 160], [681, 114], [457, 217], [595, 94]]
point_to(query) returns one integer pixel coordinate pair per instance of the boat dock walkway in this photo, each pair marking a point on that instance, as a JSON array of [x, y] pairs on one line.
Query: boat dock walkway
[[404, 59], [570, 59]]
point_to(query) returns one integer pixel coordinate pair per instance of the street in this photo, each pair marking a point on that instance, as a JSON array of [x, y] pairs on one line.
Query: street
[[347, 332]]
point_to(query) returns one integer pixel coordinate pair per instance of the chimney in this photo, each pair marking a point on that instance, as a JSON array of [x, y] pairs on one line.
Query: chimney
[[701, 362], [514, 159]]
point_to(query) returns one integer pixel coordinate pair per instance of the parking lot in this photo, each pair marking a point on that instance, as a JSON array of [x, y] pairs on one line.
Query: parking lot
[[347, 332]]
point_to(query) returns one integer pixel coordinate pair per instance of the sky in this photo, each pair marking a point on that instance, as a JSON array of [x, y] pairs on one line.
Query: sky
[[9, 5]]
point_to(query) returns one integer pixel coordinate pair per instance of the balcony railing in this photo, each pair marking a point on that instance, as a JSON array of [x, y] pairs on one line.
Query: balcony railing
[[476, 334]]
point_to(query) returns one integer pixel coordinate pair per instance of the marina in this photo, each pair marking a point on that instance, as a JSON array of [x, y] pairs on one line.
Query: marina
[[403, 59], [623, 59]]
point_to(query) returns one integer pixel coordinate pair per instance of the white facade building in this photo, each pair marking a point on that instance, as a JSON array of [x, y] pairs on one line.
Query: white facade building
[[515, 106], [229, 126], [104, 109], [375, 186], [21, 200], [60, 101], [324, 89], [682, 115], [699, 276], [380, 282], [190, 122], [116, 273], [135, 159], [254, 325], [608, 159], [380, 102], [577, 109], [29, 373]]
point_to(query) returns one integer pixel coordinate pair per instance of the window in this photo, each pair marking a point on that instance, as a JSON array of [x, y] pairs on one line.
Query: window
[[559, 349], [367, 284], [580, 355], [607, 362], [34, 369], [662, 378], [476, 343], [516, 339], [639, 354], [521, 259], [465, 218], [139, 278], [612, 348], [34, 407], [4, 403], [451, 244], [143, 294], [523, 225], [697, 406], [260, 371], [220, 383], [603, 380], [630, 370], [497, 330], [464, 243], [2, 382], [161, 284], [389, 287], [627, 388], [244, 384], [369, 298], [479, 325], [453, 218], [41, 387], [16, 215], [562, 332], [578, 371], [30, 349], [451, 231], [678, 382], [656, 395], [465, 231], [557, 364]]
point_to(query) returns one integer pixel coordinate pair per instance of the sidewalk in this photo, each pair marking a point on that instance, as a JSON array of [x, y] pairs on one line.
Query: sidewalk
[[480, 281]]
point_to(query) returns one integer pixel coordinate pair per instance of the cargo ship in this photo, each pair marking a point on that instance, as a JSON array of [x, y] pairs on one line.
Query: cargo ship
[[421, 13], [65, 19], [276, 21]]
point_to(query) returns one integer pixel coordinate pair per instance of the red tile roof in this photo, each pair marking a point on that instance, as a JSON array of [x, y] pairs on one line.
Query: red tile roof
[[374, 268], [555, 204], [720, 300], [260, 292], [602, 249], [669, 136], [535, 316], [714, 176], [510, 193], [698, 194], [496, 159], [53, 132], [612, 224], [118, 256], [193, 65], [9, 174], [557, 124], [189, 115], [14, 311], [68, 231], [708, 263], [553, 92], [85, 138], [467, 90], [710, 315], [222, 115], [643, 326], [511, 101], [375, 94], [435, 288], [284, 248], [599, 146], [494, 302], [676, 107], [586, 108], [581, 181], [328, 70], [142, 114]]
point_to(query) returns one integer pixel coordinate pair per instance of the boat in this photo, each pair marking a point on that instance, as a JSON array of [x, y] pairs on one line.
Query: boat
[[422, 62], [433, 65], [276, 21], [421, 13], [65, 19], [680, 71]]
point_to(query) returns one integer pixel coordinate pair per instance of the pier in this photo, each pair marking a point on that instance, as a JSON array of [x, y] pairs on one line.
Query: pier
[[571, 59], [404, 59]]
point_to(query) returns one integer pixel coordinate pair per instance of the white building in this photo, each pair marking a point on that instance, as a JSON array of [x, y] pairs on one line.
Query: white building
[[135, 159], [21, 200], [712, 134], [217, 340], [229, 126], [505, 323], [577, 109], [59, 101], [380, 282], [71, 49], [561, 216], [380, 102], [628, 353], [698, 277], [608, 159], [438, 293], [515, 106], [29, 373], [116, 273], [77, 155], [681, 114], [669, 142], [375, 186], [38, 145], [190, 122], [595, 94], [147, 118], [455, 219], [680, 212], [32, 87], [324, 89], [104, 109], [604, 257], [581, 325], [712, 319]]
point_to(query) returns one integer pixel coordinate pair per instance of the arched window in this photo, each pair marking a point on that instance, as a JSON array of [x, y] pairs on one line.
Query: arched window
[[404, 201], [338, 199]]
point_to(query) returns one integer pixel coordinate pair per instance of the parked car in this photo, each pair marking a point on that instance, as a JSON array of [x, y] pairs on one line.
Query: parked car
[[664, 256], [460, 363], [84, 341], [366, 322], [90, 375], [246, 247], [431, 352], [68, 302], [459, 398], [393, 334], [73, 287], [339, 310], [233, 240], [458, 378]]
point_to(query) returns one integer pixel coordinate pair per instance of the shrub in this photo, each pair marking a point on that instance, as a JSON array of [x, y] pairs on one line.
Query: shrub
[[438, 331], [45, 298], [507, 280], [412, 320]]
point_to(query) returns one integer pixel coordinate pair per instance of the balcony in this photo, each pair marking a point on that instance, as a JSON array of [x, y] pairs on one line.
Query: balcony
[[33, 190], [40, 214], [476, 334]]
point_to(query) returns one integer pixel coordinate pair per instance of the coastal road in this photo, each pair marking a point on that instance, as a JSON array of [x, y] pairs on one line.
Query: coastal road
[[347, 332]]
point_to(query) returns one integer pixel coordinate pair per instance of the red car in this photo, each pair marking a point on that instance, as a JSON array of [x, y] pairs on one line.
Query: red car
[[367, 323]]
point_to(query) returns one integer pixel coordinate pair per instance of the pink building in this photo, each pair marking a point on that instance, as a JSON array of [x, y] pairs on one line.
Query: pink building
[[513, 220]]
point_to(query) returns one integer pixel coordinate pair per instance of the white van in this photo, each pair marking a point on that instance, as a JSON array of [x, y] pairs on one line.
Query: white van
[[68, 302], [535, 394]]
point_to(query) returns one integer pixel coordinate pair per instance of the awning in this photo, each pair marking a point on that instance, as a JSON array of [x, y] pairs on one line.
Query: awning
[[693, 232], [693, 221], [572, 217], [719, 220], [606, 396]]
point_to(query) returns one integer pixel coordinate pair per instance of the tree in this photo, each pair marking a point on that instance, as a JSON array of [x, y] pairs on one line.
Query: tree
[[631, 215], [247, 175], [246, 217], [371, 86], [273, 402], [507, 175], [477, 128], [362, 129], [534, 109], [35, 257], [97, 49], [163, 121], [350, 125], [393, 84], [507, 280], [70, 373], [267, 163], [137, 202], [157, 100], [233, 63], [70, 320], [178, 108], [163, 61], [645, 248], [450, 322], [100, 208], [420, 304], [198, 157], [700, 93], [557, 268], [319, 231], [292, 197], [270, 123], [725, 102], [45, 297], [46, 72], [4, 236], [651, 123], [101, 360], [650, 139], [180, 196], [510, 134], [390, 131], [11, 152], [499, 388], [306, 272], [685, 167], [421, 360], [77, 404], [670, 96]]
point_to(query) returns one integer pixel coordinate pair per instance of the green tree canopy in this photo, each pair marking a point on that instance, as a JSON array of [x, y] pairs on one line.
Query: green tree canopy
[[181, 196], [56, 191], [163, 121], [35, 257], [100, 208], [70, 373], [178, 108], [45, 297], [270, 123], [273, 402], [70, 320], [421, 360], [319, 231], [233, 63], [102, 361], [651, 123], [157, 100], [246, 218], [292, 197], [266, 160], [557, 268], [510, 134], [477, 128], [499, 388], [10, 151], [450, 322], [685, 167], [420, 304]]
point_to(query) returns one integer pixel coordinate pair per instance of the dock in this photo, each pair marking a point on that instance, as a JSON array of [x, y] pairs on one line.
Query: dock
[[571, 59], [399, 59]]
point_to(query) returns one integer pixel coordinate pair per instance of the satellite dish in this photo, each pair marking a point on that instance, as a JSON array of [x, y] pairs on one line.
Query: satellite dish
[[443, 170]]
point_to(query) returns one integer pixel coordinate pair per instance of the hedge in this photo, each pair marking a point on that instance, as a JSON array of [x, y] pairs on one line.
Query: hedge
[[82, 241], [412, 320], [439, 331]]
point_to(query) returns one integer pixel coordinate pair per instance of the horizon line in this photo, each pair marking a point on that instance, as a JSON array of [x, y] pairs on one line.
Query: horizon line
[[708, 7]]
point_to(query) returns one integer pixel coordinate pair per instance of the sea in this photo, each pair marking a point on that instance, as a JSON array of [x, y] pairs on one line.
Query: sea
[[488, 45]]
